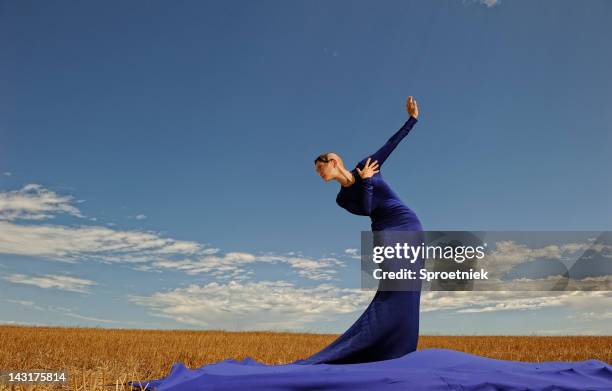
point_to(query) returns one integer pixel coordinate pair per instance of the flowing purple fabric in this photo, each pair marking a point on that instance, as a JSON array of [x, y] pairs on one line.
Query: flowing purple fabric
[[378, 352], [428, 369]]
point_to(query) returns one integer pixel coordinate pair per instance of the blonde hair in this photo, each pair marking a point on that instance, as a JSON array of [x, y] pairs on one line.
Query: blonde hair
[[327, 156]]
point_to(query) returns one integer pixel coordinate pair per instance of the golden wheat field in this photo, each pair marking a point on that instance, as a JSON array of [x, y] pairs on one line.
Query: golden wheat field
[[103, 359]]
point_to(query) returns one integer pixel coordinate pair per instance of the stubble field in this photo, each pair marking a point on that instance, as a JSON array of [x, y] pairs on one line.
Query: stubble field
[[103, 359]]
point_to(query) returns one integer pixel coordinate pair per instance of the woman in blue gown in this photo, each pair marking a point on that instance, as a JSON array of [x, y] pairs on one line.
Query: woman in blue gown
[[378, 352], [389, 327]]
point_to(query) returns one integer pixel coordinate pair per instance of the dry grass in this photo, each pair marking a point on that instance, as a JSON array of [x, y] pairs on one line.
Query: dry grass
[[95, 357]]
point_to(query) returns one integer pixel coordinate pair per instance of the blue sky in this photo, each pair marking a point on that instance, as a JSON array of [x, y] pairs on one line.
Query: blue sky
[[156, 157]]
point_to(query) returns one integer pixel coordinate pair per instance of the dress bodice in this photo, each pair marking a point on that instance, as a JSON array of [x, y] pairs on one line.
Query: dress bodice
[[373, 196]]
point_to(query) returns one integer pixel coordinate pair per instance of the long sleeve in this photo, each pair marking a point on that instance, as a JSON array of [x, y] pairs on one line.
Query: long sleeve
[[367, 194], [383, 153]]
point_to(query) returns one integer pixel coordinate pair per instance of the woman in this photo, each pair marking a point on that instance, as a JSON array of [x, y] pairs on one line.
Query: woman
[[389, 327], [379, 349]]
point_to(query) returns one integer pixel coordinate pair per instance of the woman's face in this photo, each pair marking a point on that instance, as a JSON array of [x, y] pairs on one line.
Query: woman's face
[[324, 170]]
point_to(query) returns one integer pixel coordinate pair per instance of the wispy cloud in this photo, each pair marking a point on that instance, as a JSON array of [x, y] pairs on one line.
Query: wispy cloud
[[490, 3], [18, 323], [99, 243], [353, 253], [141, 217], [25, 303], [70, 313], [146, 251], [487, 301], [254, 305], [232, 265], [487, 3], [282, 305], [588, 316], [51, 281], [34, 202], [507, 253], [72, 244]]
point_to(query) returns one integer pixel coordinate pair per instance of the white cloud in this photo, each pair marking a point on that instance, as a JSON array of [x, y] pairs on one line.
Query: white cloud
[[25, 303], [52, 281], [34, 202], [148, 249], [490, 3], [17, 323], [487, 301], [100, 243], [72, 244], [549, 283], [232, 265], [70, 313], [7, 173], [353, 253], [507, 254], [254, 305], [588, 316], [487, 3], [281, 305], [141, 217]]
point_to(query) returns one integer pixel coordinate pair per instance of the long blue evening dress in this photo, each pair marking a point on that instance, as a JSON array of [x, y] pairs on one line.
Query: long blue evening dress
[[378, 352], [389, 327]]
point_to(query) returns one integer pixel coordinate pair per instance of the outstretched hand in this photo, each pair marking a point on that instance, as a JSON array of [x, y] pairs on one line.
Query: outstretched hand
[[412, 108], [368, 169]]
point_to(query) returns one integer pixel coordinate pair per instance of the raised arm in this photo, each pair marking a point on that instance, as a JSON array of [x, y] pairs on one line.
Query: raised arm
[[383, 152]]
